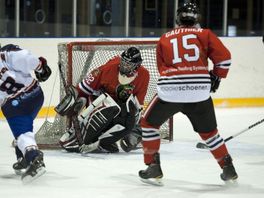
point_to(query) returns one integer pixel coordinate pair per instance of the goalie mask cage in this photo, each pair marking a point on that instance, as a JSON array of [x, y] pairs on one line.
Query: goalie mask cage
[[79, 58]]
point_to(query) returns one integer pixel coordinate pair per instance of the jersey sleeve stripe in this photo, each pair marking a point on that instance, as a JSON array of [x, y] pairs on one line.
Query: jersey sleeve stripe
[[86, 89]]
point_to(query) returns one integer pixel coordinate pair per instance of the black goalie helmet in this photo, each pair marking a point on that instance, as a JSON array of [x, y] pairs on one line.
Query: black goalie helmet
[[130, 61], [188, 14]]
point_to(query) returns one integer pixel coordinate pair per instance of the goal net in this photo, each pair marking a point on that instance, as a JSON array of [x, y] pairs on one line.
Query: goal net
[[79, 58]]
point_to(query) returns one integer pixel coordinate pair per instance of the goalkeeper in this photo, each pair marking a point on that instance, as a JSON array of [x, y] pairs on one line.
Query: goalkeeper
[[114, 95]]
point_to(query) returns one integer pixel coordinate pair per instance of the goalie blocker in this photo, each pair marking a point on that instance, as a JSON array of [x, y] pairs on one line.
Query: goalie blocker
[[71, 105], [102, 123]]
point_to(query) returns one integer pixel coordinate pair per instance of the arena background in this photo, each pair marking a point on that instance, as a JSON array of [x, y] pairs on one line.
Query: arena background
[[243, 87]]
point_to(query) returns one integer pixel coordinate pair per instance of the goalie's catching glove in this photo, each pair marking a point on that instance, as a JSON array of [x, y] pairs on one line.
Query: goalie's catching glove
[[44, 73], [215, 81]]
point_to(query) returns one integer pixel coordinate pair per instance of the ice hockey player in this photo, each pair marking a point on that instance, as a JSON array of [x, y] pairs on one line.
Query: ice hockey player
[[184, 85], [119, 88], [21, 98]]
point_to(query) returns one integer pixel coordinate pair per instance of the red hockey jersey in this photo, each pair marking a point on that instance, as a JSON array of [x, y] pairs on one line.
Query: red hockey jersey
[[182, 60], [105, 78]]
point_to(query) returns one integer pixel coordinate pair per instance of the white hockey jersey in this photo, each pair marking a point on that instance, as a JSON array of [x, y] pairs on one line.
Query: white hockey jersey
[[16, 73]]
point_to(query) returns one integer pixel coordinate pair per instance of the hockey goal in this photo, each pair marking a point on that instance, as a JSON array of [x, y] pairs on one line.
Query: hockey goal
[[79, 58]]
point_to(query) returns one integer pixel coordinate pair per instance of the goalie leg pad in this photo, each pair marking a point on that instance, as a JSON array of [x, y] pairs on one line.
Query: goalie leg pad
[[97, 116], [98, 122], [104, 146], [112, 135], [68, 141], [104, 100], [124, 123], [132, 140]]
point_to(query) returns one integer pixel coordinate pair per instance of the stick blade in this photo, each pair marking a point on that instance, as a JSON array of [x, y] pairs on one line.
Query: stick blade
[[201, 145]]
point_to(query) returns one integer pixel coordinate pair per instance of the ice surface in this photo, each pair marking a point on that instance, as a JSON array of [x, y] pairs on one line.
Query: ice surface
[[188, 171]]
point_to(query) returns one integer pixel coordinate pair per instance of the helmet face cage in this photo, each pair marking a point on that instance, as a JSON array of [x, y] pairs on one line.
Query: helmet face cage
[[130, 61], [187, 14]]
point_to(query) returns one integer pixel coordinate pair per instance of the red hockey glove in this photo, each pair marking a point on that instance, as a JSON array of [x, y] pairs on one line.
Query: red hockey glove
[[45, 71]]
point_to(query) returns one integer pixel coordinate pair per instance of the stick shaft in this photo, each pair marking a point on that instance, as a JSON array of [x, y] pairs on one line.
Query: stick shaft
[[75, 120], [202, 145], [244, 130]]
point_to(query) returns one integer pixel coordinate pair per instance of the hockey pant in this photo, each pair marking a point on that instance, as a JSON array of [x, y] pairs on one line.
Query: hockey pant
[[20, 113]]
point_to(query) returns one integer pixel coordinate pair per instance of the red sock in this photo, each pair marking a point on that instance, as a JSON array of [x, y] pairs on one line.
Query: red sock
[[216, 144], [150, 141], [150, 148]]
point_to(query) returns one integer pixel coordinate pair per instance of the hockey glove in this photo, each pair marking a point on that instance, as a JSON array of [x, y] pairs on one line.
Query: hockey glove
[[44, 72], [132, 110], [71, 104], [215, 81], [124, 91]]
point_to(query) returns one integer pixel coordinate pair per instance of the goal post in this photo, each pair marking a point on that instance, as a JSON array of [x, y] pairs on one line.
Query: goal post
[[79, 58]]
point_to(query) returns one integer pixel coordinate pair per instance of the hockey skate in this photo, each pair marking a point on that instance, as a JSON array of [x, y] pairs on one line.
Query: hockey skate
[[35, 169], [20, 166], [229, 172], [153, 174]]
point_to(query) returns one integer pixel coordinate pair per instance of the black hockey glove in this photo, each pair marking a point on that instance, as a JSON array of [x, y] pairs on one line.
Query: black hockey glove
[[124, 91], [45, 71], [131, 111], [215, 81]]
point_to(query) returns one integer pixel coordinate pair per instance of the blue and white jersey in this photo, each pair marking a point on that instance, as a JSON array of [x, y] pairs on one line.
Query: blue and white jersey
[[16, 69]]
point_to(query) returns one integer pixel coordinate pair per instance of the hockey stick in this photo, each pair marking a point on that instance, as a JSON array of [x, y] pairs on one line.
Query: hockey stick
[[201, 145], [75, 120]]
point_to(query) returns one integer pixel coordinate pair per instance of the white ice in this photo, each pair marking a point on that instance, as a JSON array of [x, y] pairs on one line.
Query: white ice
[[188, 171]]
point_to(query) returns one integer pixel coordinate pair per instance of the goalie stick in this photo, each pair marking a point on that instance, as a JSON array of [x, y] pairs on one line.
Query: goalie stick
[[201, 145], [75, 120]]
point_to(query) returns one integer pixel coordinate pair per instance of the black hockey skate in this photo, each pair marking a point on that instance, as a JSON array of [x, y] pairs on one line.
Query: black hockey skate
[[20, 166], [229, 172], [35, 169], [153, 173]]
